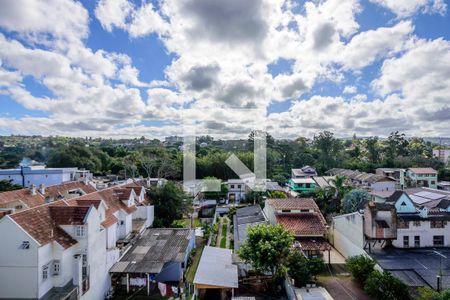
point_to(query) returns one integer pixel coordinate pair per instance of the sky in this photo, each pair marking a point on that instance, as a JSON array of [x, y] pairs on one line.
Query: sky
[[117, 68]]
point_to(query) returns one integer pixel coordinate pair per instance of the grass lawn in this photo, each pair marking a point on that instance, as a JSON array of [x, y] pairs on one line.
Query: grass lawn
[[186, 222], [190, 274]]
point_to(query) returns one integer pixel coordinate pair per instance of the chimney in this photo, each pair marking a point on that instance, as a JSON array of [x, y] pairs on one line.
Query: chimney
[[33, 189], [42, 189], [86, 180]]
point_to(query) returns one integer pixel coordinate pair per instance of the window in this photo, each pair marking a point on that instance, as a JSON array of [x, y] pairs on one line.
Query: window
[[232, 186], [56, 267], [25, 245], [437, 224], [18, 207], [44, 272], [80, 231], [438, 240], [285, 210], [403, 224], [239, 186], [405, 241], [304, 210], [417, 241], [416, 223]]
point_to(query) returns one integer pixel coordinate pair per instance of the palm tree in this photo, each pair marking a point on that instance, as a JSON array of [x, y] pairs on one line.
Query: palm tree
[[340, 188]]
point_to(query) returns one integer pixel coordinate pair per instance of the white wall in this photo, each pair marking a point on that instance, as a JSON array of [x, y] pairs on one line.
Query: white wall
[[269, 211], [18, 267], [111, 236], [96, 251], [383, 186], [348, 235], [45, 257], [146, 213], [425, 232]]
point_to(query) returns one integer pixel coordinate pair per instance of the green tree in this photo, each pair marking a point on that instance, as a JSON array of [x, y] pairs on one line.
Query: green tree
[[324, 199], [352, 199], [267, 249], [276, 195], [7, 185], [426, 293], [218, 194], [360, 266], [328, 147], [299, 269], [385, 286], [170, 203], [373, 150]]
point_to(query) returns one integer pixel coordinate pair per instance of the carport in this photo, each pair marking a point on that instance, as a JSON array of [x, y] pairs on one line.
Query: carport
[[216, 276]]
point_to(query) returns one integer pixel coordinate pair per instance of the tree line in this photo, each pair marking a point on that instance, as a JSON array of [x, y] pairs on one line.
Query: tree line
[[156, 159]]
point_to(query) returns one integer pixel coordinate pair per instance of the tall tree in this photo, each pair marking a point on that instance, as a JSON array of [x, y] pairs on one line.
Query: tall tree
[[353, 199], [170, 203], [328, 147], [373, 150], [267, 248]]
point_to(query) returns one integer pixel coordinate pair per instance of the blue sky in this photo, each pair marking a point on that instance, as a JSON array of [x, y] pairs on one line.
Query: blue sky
[[120, 69]]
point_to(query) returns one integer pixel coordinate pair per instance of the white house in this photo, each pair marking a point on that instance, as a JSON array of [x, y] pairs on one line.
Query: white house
[[236, 190], [51, 249], [37, 175]]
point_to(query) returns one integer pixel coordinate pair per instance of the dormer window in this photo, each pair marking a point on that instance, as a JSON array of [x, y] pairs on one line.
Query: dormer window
[[403, 203]]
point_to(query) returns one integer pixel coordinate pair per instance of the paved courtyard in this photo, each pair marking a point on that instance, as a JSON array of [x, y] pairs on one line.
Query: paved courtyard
[[416, 267]]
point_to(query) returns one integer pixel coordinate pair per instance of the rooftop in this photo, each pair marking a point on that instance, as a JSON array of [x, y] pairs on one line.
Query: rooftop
[[309, 224], [154, 248], [423, 170], [293, 203], [216, 269]]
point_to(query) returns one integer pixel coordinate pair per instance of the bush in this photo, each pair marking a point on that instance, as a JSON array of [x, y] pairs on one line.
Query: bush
[[360, 266], [426, 293], [385, 286], [301, 269]]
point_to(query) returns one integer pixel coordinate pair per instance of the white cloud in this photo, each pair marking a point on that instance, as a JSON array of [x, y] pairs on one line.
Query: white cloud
[[222, 52], [350, 89], [406, 8], [63, 19]]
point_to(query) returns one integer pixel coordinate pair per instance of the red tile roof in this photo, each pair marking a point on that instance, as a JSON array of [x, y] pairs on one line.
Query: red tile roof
[[38, 222], [423, 170], [293, 203], [23, 195], [303, 224], [62, 189], [69, 215], [84, 202]]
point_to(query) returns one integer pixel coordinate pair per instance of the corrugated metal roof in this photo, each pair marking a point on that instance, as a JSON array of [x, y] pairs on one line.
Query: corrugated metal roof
[[216, 268]]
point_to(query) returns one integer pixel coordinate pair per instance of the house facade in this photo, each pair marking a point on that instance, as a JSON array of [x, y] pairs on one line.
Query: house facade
[[302, 185], [236, 190], [422, 177], [303, 218], [51, 249]]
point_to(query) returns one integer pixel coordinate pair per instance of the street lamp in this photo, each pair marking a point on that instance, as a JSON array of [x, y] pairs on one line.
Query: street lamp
[[439, 276]]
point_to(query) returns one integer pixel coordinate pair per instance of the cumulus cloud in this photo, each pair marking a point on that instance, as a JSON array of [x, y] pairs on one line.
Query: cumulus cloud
[[406, 8], [221, 53]]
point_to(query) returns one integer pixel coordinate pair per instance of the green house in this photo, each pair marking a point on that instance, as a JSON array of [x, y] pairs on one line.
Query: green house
[[302, 185]]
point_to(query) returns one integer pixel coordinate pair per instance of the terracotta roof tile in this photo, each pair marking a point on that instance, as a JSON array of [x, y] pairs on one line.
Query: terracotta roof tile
[[39, 223], [22, 195], [302, 224], [69, 215], [293, 203], [62, 189], [423, 170]]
